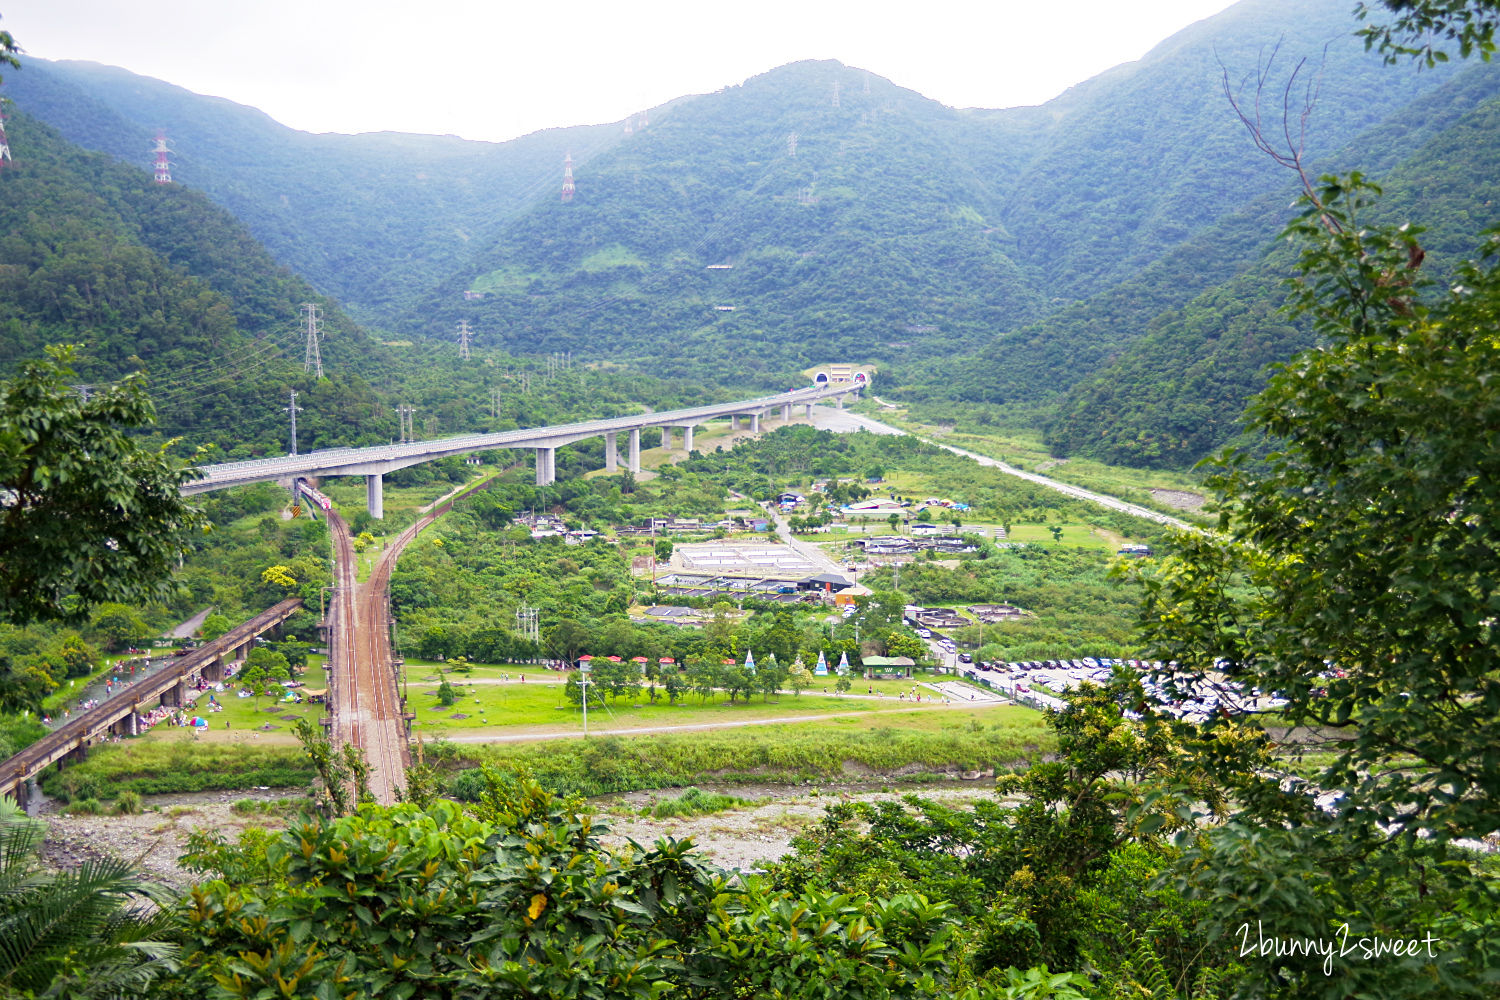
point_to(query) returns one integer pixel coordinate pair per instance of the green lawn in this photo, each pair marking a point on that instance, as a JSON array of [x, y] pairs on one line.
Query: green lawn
[[242, 715], [491, 704]]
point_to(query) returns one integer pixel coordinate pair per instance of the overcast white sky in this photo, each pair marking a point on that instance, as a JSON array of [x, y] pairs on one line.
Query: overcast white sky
[[496, 70]]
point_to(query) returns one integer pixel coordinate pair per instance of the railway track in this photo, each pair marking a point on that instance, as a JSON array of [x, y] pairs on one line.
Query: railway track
[[366, 701]]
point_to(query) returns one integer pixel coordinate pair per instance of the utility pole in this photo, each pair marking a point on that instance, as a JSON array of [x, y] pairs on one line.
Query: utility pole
[[293, 409], [313, 359], [463, 339], [583, 682]]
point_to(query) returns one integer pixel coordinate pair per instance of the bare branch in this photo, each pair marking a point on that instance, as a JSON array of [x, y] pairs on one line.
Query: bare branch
[[1290, 152]]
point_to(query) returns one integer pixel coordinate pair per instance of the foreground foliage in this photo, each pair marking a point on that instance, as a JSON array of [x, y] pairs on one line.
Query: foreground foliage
[[77, 934], [521, 899]]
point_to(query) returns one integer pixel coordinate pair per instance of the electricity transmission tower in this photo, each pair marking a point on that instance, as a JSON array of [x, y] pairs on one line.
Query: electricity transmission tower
[[313, 361], [404, 415], [463, 339], [526, 623]]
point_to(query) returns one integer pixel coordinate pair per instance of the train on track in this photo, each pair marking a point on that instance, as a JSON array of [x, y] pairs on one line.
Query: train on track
[[318, 498]]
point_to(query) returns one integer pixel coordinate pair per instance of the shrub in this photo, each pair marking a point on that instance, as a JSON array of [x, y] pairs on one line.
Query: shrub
[[695, 802], [127, 803], [84, 807]]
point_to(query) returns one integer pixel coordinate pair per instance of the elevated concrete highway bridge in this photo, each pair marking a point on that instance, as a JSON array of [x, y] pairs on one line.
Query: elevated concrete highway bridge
[[374, 462]]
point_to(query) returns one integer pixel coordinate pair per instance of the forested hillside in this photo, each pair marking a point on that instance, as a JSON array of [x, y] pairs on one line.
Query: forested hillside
[[1103, 266], [157, 278], [1175, 392], [374, 220], [899, 230]]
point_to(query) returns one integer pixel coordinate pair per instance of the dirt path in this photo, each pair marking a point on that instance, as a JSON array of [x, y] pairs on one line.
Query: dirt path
[[748, 836]]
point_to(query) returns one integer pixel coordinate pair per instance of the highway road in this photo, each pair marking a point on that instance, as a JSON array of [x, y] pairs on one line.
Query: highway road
[[361, 461], [842, 421]]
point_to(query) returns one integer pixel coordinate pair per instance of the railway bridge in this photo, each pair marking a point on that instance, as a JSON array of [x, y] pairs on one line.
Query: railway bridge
[[121, 713], [374, 462]]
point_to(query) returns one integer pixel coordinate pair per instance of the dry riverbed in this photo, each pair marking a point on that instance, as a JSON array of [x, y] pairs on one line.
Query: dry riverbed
[[736, 838]]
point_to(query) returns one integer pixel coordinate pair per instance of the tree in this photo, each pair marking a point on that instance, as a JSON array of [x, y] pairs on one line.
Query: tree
[[799, 678], [1422, 23], [522, 899], [663, 549], [447, 694], [898, 643], [118, 625], [1353, 577], [568, 639], [98, 931], [214, 626], [87, 514]]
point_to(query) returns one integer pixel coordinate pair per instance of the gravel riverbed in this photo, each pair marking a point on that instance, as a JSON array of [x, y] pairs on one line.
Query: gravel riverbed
[[743, 837]]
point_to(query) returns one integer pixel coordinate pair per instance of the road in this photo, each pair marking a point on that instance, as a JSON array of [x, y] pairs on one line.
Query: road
[[844, 422]]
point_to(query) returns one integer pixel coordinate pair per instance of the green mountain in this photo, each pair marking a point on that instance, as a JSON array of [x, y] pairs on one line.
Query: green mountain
[[372, 220], [903, 232], [1174, 391], [157, 278], [1103, 265]]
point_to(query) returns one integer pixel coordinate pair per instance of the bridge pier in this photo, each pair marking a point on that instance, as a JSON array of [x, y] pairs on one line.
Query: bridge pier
[[837, 401], [687, 438], [755, 423], [786, 411], [546, 466], [734, 421], [635, 450], [175, 696], [666, 439], [611, 452], [375, 496]]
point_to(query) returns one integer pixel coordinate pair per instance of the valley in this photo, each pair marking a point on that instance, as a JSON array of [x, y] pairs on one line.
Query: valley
[[802, 539]]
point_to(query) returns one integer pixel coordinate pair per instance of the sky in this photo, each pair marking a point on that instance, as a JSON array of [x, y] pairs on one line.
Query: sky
[[497, 70]]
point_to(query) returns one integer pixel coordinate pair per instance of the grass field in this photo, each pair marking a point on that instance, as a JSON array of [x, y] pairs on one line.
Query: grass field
[[504, 708]]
